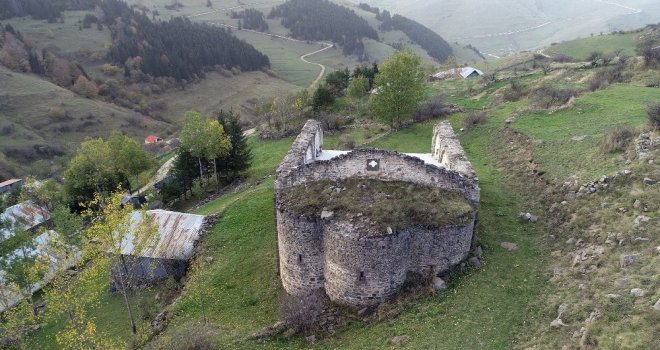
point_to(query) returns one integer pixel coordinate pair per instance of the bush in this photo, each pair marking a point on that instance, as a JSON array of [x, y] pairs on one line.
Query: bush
[[333, 121], [302, 312], [433, 108], [654, 114], [474, 118], [550, 96], [605, 77], [515, 92], [110, 70], [618, 138], [57, 112], [85, 87], [322, 97]]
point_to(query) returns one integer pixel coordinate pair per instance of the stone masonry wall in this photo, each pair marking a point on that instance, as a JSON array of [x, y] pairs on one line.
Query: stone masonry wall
[[448, 151], [358, 269]]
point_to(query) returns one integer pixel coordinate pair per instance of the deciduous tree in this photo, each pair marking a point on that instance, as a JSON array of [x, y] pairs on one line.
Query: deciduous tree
[[400, 88]]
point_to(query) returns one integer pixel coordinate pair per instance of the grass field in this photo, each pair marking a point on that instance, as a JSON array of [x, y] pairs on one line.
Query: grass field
[[581, 48], [590, 119], [64, 36], [242, 93]]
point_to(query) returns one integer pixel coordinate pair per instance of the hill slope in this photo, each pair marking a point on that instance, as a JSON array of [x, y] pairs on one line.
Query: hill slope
[[33, 128], [504, 26]]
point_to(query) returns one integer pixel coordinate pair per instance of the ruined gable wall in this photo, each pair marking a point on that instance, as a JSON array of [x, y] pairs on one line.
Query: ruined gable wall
[[393, 167], [448, 151], [304, 149]]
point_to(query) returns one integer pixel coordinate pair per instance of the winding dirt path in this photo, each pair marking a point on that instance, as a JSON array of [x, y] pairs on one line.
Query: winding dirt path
[[322, 72], [302, 58]]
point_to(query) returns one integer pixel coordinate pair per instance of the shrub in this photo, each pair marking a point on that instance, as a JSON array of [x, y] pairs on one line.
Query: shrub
[[618, 138], [110, 70], [515, 92], [474, 118], [550, 96], [85, 87], [322, 97], [433, 108], [7, 129], [333, 121], [57, 112], [302, 312], [654, 114], [605, 77]]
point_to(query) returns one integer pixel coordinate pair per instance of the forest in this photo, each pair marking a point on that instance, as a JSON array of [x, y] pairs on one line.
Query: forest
[[323, 20], [175, 48], [251, 19], [429, 40]]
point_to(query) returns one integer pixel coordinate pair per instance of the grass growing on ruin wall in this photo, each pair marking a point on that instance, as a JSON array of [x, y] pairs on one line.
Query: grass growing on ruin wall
[[393, 204]]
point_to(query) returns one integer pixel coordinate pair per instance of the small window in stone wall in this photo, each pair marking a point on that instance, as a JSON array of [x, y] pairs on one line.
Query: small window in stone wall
[[362, 278], [299, 258]]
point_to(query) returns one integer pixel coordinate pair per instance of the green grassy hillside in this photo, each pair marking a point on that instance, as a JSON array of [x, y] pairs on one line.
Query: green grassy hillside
[[30, 132], [506, 26], [581, 48]]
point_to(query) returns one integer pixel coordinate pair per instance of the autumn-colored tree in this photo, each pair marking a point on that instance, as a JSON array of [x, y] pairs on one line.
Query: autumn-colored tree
[[113, 228], [85, 87]]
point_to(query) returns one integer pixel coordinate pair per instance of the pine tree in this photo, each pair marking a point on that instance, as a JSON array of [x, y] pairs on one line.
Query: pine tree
[[240, 156]]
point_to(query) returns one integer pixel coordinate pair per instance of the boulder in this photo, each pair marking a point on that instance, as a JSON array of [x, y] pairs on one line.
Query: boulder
[[327, 214], [474, 262], [630, 259], [509, 246], [656, 306], [557, 323], [478, 252], [640, 220], [527, 217], [310, 339], [399, 339], [439, 284], [648, 181], [637, 292]]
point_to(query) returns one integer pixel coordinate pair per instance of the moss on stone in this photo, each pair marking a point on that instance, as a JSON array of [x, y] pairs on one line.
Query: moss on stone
[[395, 204]]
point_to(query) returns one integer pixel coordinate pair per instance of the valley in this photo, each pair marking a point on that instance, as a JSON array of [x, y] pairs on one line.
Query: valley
[[564, 139]]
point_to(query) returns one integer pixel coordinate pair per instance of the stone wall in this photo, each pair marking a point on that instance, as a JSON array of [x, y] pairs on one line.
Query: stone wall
[[448, 151], [364, 269], [393, 166]]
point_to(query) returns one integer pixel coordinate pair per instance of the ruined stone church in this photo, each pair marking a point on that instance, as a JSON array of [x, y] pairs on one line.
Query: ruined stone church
[[356, 223]]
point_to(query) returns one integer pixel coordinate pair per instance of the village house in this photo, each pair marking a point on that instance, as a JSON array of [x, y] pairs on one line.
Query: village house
[[456, 74], [7, 186], [170, 253], [25, 216], [151, 139]]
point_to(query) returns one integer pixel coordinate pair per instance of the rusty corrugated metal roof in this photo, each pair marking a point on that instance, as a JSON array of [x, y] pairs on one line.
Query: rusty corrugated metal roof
[[177, 235], [9, 182], [22, 216]]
